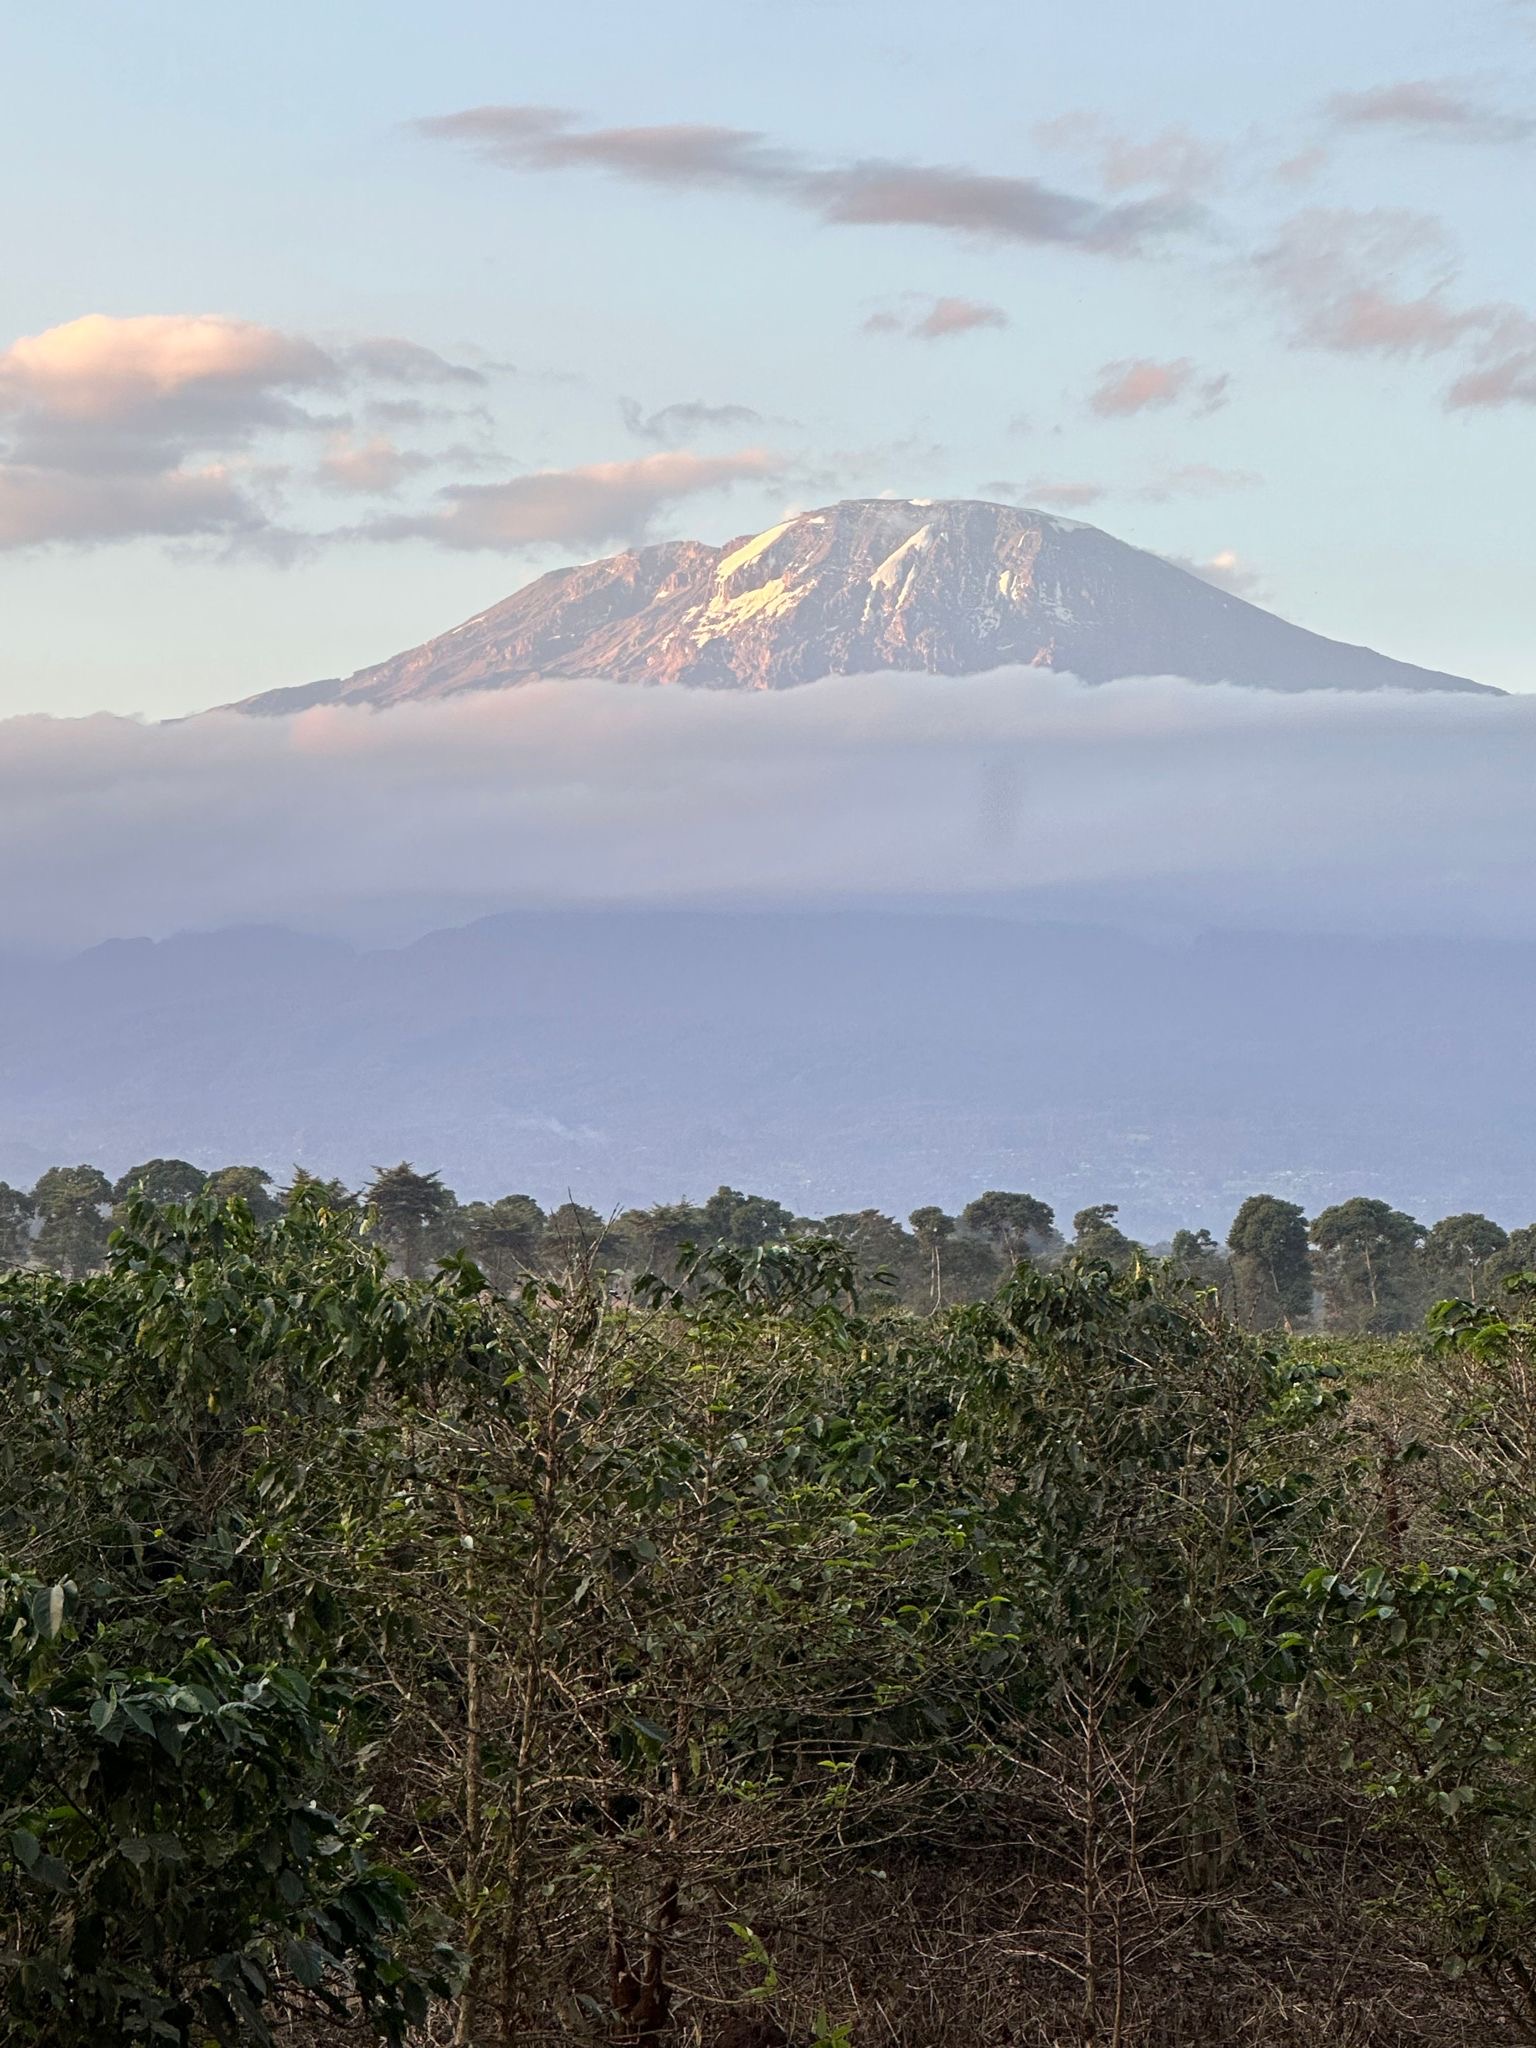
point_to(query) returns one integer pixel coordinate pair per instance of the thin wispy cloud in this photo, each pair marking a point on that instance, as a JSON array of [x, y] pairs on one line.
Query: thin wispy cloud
[[1428, 109], [921, 318], [589, 506], [1173, 162], [1184, 480], [1383, 282], [686, 420], [1063, 494], [1140, 385], [1197, 480], [867, 192]]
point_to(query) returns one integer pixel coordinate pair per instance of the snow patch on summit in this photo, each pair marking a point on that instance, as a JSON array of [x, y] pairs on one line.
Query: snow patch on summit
[[750, 550], [724, 614], [885, 577]]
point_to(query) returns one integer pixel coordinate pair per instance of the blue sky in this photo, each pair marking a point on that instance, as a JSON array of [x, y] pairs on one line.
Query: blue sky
[[1247, 286]]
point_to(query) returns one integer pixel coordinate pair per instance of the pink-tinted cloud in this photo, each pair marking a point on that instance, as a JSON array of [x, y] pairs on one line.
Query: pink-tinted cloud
[[1301, 168], [1339, 274], [874, 192], [40, 506], [1381, 283], [1427, 107], [1174, 163], [590, 506], [1140, 384], [98, 368], [372, 468], [929, 319], [116, 428], [1508, 379]]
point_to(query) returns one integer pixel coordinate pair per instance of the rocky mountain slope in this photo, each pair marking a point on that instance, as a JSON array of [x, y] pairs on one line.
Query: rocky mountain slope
[[951, 588]]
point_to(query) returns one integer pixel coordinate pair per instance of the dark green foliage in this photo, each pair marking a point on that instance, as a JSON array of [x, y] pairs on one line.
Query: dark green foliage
[[188, 1841], [731, 1650], [1271, 1264], [162, 1181], [248, 1184], [654, 1240], [1096, 1235], [72, 1202], [334, 1195], [16, 1213], [1020, 1226], [729, 1217], [164, 1848], [410, 1210], [502, 1237], [932, 1229], [1197, 1255], [1519, 1254], [1461, 1251], [574, 1236], [1367, 1265]]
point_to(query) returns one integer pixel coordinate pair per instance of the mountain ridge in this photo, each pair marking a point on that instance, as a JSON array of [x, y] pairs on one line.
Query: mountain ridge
[[945, 587]]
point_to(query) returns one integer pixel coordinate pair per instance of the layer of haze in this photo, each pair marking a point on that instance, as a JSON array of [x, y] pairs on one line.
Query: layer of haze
[[1151, 800]]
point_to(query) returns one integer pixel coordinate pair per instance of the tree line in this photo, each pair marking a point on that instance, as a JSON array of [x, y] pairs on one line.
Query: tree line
[[1358, 1266]]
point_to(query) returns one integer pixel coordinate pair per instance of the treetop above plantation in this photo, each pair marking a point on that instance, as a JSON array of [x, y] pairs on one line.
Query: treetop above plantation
[[1360, 1266]]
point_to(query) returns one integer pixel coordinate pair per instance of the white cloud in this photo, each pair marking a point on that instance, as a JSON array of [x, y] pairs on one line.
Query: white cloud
[[1226, 570], [1319, 811]]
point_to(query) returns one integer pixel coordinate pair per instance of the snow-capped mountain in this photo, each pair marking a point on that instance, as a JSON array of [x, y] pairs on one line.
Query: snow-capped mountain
[[944, 588]]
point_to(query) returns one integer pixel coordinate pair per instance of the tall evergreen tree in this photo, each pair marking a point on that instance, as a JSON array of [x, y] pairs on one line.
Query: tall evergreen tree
[[162, 1181], [1271, 1264], [72, 1202], [410, 1207], [1020, 1226], [1367, 1257], [1460, 1252], [249, 1184], [16, 1212], [1096, 1235]]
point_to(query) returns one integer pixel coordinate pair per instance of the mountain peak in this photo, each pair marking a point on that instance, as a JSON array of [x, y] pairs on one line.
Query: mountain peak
[[945, 587]]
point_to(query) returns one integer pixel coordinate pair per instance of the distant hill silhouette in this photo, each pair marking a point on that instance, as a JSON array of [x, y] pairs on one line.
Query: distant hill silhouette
[[833, 1059]]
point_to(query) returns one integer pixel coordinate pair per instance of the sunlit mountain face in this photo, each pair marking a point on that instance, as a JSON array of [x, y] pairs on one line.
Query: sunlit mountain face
[[943, 588]]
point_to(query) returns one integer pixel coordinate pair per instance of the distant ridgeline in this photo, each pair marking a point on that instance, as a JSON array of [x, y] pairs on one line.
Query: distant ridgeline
[[1359, 1265]]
